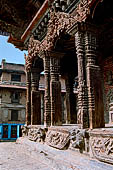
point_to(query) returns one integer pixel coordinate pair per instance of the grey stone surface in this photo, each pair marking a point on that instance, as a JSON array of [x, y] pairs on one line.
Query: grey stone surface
[[29, 155]]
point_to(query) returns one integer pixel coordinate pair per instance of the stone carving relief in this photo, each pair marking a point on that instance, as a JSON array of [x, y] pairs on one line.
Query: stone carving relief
[[78, 139], [57, 139], [36, 134], [24, 130], [102, 148]]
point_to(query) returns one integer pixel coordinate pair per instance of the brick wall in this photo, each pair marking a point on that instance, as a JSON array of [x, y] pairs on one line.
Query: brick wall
[[108, 85], [6, 106], [6, 77], [13, 66]]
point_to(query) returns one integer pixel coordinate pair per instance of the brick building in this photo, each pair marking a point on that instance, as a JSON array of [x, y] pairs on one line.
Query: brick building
[[12, 99]]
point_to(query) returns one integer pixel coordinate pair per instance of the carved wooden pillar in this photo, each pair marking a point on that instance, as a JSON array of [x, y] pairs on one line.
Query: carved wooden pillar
[[55, 90], [82, 115], [35, 97], [47, 102], [68, 116], [70, 102], [28, 98], [94, 80]]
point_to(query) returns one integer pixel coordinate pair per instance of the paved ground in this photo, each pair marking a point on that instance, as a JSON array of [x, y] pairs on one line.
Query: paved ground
[[27, 155]]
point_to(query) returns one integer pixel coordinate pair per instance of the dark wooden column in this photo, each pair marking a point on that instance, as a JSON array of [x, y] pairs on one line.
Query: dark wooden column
[[35, 97], [71, 117], [55, 89], [28, 98], [94, 79], [82, 115], [47, 102]]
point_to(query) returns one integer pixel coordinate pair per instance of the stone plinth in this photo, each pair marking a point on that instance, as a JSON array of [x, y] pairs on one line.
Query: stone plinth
[[96, 143], [101, 144]]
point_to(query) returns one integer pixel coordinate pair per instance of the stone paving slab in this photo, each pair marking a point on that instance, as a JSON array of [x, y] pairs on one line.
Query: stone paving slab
[[28, 155]]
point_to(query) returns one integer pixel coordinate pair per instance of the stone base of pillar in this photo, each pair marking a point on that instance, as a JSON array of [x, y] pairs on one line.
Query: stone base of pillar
[[35, 108]]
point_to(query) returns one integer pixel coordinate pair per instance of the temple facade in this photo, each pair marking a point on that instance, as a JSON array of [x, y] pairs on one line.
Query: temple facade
[[72, 39], [74, 47]]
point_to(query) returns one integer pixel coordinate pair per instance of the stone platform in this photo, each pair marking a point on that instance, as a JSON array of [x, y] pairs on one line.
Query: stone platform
[[97, 143]]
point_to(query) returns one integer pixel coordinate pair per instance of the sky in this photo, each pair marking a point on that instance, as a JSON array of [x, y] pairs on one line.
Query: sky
[[10, 53]]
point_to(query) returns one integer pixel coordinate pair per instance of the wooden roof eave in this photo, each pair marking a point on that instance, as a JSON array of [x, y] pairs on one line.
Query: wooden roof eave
[[35, 20], [20, 43]]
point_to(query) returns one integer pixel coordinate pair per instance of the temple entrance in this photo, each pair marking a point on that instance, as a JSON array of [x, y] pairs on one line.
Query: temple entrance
[[69, 72]]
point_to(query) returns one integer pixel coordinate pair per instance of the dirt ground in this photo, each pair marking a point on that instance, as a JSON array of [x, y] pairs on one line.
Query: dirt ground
[[28, 155]]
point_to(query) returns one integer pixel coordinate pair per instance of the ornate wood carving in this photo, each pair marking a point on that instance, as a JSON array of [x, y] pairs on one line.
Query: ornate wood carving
[[47, 102], [32, 53], [28, 98], [82, 10], [94, 81], [59, 23], [55, 91], [82, 115], [90, 96]]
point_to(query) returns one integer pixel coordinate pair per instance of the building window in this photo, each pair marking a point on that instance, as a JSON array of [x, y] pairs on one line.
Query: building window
[[5, 131], [15, 97], [14, 115], [13, 131], [15, 77]]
